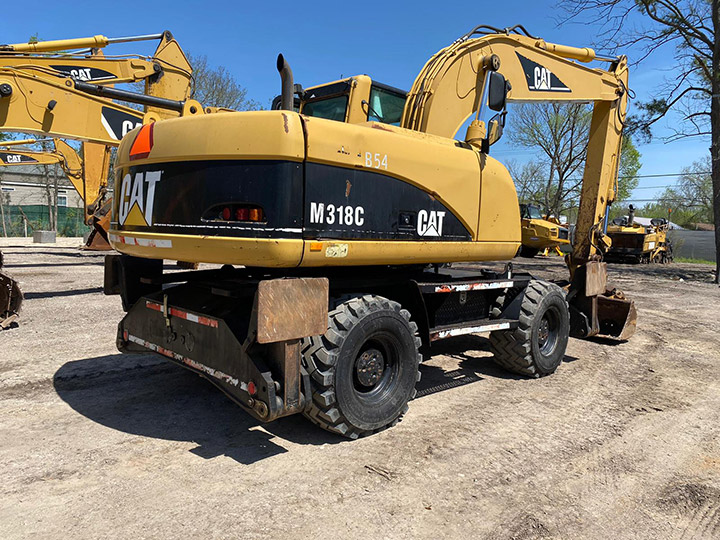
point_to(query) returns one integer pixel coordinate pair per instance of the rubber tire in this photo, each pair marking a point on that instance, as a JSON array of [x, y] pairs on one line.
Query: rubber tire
[[329, 360], [518, 350], [528, 252]]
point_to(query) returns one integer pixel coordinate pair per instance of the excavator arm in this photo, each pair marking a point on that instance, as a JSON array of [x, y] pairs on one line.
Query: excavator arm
[[86, 182], [458, 82], [167, 73], [30, 103]]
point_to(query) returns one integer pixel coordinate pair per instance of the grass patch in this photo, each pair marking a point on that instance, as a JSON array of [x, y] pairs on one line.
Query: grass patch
[[693, 261]]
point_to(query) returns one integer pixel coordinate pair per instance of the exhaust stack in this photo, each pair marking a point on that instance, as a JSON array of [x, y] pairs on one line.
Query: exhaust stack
[[288, 87]]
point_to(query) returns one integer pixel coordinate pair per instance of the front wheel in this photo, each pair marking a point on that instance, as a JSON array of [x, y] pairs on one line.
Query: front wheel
[[537, 346], [528, 252], [364, 369]]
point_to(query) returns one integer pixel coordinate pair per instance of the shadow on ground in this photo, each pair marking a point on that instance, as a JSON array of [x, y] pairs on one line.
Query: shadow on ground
[[147, 396], [165, 401], [71, 292]]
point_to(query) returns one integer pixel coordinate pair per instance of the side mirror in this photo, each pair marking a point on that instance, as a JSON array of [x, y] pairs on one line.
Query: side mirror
[[497, 91], [495, 128]]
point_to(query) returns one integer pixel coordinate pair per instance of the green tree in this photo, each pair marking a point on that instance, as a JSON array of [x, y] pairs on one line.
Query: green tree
[[691, 200], [629, 166], [559, 133], [217, 87]]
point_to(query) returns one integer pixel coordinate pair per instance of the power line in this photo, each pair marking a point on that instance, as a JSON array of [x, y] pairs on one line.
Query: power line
[[666, 175], [651, 176], [659, 187]]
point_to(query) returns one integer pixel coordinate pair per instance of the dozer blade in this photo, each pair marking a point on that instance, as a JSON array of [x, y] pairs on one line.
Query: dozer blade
[[10, 301]]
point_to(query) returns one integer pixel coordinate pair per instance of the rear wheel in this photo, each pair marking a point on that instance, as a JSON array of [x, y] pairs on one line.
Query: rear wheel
[[537, 346], [364, 369]]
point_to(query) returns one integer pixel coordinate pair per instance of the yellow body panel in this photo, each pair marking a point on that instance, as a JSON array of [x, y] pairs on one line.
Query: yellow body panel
[[209, 249], [381, 252], [499, 218], [228, 135], [450, 172], [434, 164]]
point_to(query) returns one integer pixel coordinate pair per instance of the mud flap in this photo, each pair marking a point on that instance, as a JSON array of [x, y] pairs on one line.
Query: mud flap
[[244, 338]]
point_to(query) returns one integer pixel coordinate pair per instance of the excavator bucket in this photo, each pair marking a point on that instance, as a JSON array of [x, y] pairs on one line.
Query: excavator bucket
[[617, 316], [10, 301], [596, 309], [98, 239]]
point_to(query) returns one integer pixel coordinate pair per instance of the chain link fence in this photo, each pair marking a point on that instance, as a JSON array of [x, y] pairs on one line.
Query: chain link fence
[[23, 220]]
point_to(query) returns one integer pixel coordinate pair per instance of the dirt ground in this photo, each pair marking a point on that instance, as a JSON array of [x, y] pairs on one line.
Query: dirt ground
[[622, 442]]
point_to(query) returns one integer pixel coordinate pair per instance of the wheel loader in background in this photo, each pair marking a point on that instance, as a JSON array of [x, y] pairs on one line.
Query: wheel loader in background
[[634, 242], [49, 91], [540, 232], [331, 225]]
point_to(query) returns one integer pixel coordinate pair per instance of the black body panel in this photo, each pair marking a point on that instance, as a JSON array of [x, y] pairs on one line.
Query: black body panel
[[366, 204], [187, 192]]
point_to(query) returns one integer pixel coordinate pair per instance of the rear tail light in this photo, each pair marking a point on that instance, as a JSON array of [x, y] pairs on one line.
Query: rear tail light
[[235, 213]]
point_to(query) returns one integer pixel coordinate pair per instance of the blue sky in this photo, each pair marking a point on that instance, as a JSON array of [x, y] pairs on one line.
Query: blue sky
[[390, 41]]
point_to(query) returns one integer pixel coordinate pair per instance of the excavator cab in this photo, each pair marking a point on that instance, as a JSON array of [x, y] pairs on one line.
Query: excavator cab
[[355, 100]]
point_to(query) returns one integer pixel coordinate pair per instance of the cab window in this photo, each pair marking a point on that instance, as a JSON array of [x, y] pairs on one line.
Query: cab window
[[332, 108], [528, 211], [386, 105]]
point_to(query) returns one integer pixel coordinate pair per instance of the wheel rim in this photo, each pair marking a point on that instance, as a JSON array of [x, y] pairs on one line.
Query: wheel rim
[[547, 331], [376, 365]]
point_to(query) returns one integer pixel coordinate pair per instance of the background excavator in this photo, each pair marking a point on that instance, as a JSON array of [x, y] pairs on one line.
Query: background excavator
[[335, 213], [65, 89], [88, 176]]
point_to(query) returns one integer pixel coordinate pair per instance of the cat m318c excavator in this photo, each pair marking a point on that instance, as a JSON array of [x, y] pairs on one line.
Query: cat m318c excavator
[[65, 89], [332, 224]]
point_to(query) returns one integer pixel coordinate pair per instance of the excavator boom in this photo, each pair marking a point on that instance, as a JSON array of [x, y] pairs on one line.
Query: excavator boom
[[167, 73]]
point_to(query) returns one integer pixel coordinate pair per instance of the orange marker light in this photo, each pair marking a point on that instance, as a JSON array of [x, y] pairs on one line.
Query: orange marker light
[[315, 246], [143, 143]]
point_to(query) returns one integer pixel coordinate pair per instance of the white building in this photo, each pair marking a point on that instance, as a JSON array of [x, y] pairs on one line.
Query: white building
[[27, 185]]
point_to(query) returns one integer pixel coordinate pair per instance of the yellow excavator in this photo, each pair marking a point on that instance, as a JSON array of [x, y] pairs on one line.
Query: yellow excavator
[[634, 242], [540, 233], [88, 176], [65, 89], [332, 224]]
